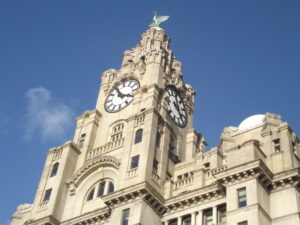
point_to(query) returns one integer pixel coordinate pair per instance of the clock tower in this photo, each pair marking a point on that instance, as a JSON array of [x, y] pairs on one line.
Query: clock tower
[[137, 160], [123, 154]]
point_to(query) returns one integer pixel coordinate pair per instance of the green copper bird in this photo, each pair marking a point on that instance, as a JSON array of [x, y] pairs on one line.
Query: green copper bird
[[158, 20]]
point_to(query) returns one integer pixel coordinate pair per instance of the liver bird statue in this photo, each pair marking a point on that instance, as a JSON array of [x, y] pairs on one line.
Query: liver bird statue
[[158, 20]]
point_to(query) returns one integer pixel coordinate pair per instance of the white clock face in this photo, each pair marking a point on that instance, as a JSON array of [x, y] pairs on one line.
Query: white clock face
[[121, 95], [176, 107]]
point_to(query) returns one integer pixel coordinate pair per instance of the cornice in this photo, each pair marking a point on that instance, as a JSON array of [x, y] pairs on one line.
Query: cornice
[[137, 192], [188, 199], [48, 219], [98, 215]]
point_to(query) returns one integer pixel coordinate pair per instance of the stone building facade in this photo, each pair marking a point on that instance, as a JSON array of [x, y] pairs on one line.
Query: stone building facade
[[137, 160]]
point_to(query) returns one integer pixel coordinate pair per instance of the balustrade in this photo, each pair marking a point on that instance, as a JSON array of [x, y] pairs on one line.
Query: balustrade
[[110, 146]]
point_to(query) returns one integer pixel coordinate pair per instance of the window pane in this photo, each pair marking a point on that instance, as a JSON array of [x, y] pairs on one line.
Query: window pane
[[157, 141], [138, 136], [47, 195], [242, 198], [125, 217], [155, 165], [54, 170], [81, 143], [91, 195], [111, 187], [134, 162], [243, 223], [101, 189]]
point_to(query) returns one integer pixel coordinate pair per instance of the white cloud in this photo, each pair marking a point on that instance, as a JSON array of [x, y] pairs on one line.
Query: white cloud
[[46, 117]]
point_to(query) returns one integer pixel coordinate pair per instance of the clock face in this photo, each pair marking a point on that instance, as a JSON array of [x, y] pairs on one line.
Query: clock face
[[176, 108], [121, 95]]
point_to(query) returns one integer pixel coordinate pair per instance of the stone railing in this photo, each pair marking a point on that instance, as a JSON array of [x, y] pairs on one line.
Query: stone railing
[[132, 172], [155, 177], [183, 182], [218, 169], [110, 146], [43, 205], [139, 120]]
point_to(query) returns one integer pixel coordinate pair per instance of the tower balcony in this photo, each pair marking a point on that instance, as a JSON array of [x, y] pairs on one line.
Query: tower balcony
[[108, 147]]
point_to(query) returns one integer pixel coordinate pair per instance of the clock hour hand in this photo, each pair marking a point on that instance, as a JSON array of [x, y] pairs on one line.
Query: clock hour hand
[[176, 105], [119, 93]]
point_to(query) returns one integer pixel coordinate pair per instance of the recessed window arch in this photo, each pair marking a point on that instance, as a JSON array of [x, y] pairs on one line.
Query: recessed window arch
[[54, 169], [138, 136], [101, 188]]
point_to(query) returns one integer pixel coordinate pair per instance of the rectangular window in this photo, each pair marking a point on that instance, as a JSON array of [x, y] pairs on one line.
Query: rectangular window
[[242, 197], [157, 140], [243, 223], [125, 217], [277, 145], [155, 165], [208, 217], [81, 143], [186, 220], [54, 170], [47, 195], [101, 189], [138, 136], [222, 214], [134, 161]]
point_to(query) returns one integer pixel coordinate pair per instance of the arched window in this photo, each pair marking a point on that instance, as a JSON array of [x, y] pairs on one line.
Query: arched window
[[138, 136], [100, 189], [54, 170]]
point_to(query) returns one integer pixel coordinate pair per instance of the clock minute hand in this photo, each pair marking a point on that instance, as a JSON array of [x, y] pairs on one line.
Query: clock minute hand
[[127, 95]]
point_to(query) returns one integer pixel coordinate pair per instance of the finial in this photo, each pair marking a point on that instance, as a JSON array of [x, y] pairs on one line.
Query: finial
[[158, 20]]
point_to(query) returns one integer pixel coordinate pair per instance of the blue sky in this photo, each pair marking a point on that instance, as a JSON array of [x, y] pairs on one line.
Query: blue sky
[[242, 58]]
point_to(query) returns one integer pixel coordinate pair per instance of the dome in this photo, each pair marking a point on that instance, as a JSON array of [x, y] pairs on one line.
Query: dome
[[251, 121]]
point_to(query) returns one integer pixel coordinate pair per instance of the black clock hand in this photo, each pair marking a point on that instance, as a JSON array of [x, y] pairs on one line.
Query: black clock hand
[[176, 106], [127, 95], [119, 93]]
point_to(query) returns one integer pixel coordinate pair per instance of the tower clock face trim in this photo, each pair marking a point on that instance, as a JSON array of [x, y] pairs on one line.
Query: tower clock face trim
[[121, 95], [176, 108]]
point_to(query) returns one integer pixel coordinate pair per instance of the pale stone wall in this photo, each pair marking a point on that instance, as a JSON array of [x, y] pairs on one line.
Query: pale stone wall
[[189, 182]]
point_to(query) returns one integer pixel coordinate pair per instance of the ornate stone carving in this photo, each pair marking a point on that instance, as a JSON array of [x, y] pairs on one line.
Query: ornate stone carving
[[85, 170], [108, 77], [188, 99]]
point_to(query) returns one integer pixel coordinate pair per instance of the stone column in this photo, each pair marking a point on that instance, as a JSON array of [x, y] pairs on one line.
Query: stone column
[[193, 218], [200, 218], [214, 214], [179, 220], [166, 222]]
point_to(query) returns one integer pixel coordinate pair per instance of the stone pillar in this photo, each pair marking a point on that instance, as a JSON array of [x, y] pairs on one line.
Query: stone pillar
[[214, 214], [179, 220], [166, 222], [200, 218], [193, 218]]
